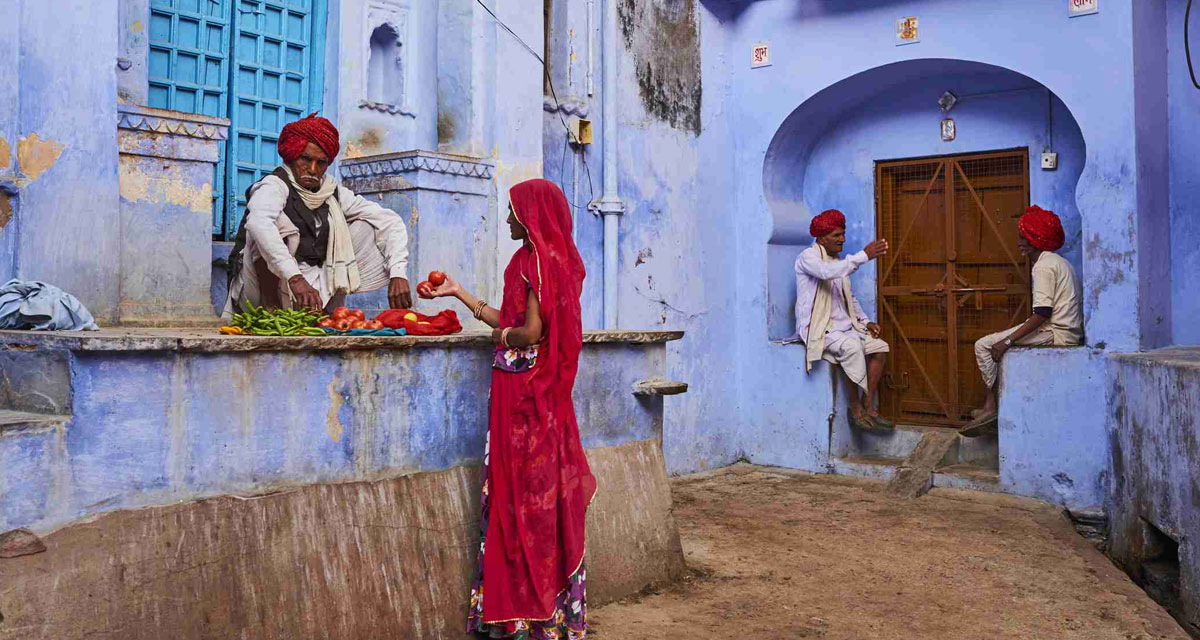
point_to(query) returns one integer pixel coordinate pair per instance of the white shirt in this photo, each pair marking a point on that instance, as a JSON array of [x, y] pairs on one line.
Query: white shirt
[[267, 199], [1055, 285], [810, 271]]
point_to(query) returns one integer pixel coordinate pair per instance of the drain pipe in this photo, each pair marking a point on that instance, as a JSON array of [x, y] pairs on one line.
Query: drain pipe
[[610, 206]]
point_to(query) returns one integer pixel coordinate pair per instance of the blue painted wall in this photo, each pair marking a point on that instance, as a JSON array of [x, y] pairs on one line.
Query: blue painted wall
[[63, 106], [1184, 148], [218, 423]]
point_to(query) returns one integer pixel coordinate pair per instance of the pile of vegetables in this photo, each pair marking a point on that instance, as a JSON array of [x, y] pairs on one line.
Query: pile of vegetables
[[257, 321], [345, 319]]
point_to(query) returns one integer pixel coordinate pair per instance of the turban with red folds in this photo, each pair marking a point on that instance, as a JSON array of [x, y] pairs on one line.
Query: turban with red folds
[[1041, 228], [296, 136], [829, 221]]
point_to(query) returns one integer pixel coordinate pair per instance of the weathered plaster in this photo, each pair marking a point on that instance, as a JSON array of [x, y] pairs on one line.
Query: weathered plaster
[[5, 153], [157, 184], [663, 42], [35, 156], [6, 210]]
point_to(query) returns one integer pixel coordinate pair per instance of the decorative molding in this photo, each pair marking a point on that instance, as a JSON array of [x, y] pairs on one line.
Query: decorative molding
[[189, 125], [394, 164], [385, 108], [567, 107], [399, 15]]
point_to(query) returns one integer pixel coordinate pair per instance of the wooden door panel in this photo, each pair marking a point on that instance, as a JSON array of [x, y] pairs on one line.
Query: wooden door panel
[[953, 276]]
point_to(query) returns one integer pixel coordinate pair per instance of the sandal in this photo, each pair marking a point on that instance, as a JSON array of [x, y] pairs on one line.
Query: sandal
[[983, 425], [864, 423], [881, 422]]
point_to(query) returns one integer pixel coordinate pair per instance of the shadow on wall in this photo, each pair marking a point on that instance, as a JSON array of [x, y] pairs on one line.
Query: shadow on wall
[[823, 155], [731, 10]]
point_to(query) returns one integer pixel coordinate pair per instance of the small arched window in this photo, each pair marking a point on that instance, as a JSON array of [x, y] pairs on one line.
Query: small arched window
[[385, 77]]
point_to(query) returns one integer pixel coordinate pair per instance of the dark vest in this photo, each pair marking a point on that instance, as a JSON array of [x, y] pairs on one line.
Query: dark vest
[[314, 240]]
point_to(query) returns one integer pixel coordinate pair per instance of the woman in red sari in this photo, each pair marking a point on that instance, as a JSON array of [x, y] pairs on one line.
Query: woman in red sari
[[537, 483]]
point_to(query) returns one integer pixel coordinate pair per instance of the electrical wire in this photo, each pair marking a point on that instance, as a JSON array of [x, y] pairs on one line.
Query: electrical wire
[[571, 138], [1187, 46]]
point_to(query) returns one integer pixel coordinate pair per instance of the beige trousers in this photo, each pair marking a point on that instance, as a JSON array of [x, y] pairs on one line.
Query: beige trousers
[[989, 367]]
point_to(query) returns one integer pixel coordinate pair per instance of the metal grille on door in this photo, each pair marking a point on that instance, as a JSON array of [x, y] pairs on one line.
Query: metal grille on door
[[953, 276]]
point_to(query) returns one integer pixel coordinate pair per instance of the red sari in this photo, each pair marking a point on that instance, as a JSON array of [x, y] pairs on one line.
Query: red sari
[[538, 484]]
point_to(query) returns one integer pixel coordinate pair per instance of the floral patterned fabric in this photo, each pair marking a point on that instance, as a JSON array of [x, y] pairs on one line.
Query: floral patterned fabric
[[516, 359], [569, 621]]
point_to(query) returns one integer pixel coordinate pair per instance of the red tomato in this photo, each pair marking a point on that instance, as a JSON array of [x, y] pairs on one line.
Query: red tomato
[[340, 312], [357, 314], [326, 323], [358, 324], [342, 325], [437, 278], [425, 289], [374, 324]]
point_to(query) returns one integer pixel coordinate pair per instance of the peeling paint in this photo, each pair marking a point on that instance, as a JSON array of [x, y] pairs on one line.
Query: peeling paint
[[333, 423], [352, 151], [167, 185], [6, 210], [663, 37], [136, 27], [5, 153], [35, 156]]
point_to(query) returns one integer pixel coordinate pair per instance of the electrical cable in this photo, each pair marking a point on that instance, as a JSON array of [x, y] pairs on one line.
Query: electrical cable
[[1187, 46], [557, 108]]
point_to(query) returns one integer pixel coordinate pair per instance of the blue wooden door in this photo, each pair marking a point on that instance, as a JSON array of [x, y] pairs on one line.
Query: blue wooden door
[[188, 66], [257, 62], [275, 81]]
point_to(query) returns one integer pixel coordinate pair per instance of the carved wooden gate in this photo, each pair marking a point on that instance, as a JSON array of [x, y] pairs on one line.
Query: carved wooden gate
[[953, 275]]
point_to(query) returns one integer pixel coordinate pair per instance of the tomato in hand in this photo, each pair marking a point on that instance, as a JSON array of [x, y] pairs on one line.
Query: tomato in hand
[[425, 290], [437, 278]]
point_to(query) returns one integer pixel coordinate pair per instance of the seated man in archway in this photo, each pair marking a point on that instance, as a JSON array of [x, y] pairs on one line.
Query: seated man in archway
[[1057, 315], [830, 321], [306, 241]]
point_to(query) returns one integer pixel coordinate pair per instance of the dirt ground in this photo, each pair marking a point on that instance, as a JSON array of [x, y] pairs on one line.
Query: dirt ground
[[783, 555]]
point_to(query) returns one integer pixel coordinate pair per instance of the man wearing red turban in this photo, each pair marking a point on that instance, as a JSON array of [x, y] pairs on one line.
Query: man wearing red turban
[[830, 321], [1057, 315], [309, 241]]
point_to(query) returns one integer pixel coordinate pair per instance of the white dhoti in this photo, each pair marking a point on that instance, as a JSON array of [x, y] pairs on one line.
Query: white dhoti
[[368, 252], [849, 350], [988, 367]]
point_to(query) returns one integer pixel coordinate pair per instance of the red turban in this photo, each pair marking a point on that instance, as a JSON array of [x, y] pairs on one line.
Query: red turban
[[296, 136], [1041, 228], [829, 221]]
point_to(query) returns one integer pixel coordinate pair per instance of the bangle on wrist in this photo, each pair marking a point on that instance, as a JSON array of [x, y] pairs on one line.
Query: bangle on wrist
[[504, 337]]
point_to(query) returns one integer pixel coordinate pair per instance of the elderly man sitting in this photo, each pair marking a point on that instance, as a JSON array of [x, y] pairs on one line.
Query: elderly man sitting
[[306, 241], [1057, 315], [830, 321]]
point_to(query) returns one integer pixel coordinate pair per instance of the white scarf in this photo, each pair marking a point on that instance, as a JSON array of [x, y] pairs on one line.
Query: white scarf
[[341, 267], [822, 309]]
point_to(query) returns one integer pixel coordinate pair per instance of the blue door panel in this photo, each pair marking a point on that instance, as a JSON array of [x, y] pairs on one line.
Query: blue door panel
[[251, 61]]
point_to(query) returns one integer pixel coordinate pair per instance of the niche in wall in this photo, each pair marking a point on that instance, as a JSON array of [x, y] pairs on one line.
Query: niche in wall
[[385, 67], [388, 59]]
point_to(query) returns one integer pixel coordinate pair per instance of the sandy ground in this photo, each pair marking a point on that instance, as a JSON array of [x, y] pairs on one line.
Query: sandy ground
[[781, 555]]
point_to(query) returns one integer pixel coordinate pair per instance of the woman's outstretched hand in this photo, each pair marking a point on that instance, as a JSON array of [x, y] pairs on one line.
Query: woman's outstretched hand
[[448, 288]]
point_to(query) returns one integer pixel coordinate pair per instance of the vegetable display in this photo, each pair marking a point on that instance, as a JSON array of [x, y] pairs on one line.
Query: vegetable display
[[257, 321]]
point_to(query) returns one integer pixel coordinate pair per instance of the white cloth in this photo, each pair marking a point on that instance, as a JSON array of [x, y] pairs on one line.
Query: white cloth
[[988, 367], [1055, 285], [378, 236], [341, 270], [829, 319]]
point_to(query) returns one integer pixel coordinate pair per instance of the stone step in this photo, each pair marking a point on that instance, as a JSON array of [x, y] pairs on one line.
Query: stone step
[[974, 476], [900, 442]]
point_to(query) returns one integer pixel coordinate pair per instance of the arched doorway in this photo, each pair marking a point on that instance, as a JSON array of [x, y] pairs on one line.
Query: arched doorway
[[872, 146]]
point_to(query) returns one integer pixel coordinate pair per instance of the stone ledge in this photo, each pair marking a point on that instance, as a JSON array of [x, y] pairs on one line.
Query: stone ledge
[[1182, 357], [178, 123], [192, 340]]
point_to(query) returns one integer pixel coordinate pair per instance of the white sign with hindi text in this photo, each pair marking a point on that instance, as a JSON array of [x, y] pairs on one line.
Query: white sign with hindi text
[[1082, 7]]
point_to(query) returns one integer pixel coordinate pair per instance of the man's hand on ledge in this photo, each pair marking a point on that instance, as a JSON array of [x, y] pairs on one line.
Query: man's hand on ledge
[[399, 294]]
